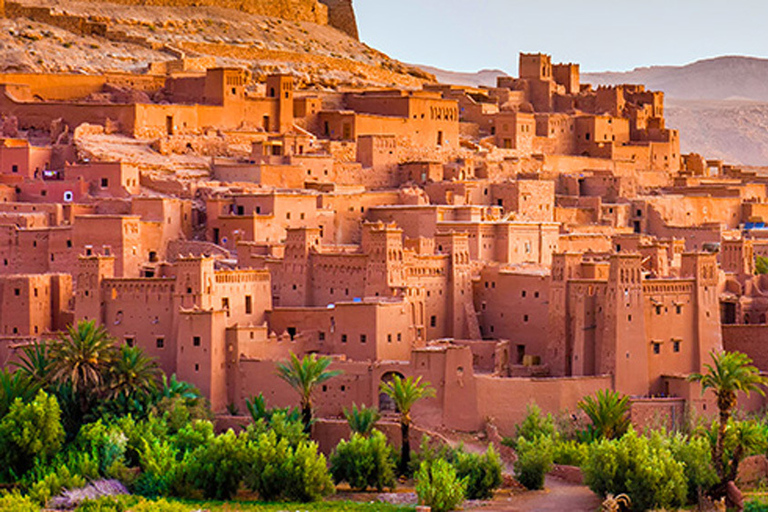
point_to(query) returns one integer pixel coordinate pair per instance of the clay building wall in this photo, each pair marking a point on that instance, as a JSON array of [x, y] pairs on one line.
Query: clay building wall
[[117, 235], [530, 200], [748, 339], [114, 179], [348, 126], [19, 158], [362, 331], [514, 130], [140, 312], [505, 400], [260, 217], [349, 209], [555, 134], [31, 305], [512, 305]]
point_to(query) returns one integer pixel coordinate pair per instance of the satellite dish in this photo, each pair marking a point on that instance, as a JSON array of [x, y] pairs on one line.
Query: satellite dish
[[68, 196], [224, 240]]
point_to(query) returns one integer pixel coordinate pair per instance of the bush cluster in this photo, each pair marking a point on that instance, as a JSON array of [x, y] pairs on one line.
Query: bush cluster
[[364, 462]]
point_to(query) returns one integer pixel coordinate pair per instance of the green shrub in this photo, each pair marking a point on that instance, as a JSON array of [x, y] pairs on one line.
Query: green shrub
[[277, 471], [569, 453], [696, 455], [481, 472], [534, 425], [217, 467], [158, 506], [644, 470], [194, 435], [105, 504], [105, 443], [29, 434], [438, 486], [364, 462], [534, 460], [49, 482], [15, 502], [756, 506], [162, 474], [284, 426]]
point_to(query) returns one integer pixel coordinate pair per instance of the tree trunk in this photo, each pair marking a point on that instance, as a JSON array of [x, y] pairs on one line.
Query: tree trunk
[[306, 417], [720, 446], [405, 451]]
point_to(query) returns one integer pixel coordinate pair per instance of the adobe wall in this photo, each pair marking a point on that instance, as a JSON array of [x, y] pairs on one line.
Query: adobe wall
[[653, 413], [292, 10], [505, 399], [749, 339], [341, 15]]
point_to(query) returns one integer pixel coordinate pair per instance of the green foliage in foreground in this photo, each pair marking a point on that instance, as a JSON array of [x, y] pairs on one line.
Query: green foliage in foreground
[[438, 486], [136, 504], [364, 462], [642, 467], [15, 502], [534, 461]]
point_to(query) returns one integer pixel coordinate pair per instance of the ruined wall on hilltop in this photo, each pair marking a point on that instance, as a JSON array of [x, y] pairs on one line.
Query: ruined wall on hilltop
[[341, 15], [293, 10]]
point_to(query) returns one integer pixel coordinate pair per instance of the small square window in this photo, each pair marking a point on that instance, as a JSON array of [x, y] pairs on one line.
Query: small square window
[[524, 293], [399, 337], [389, 338], [657, 348], [160, 342], [196, 341], [321, 336], [525, 318], [343, 338], [676, 346], [130, 341], [197, 367], [679, 309], [433, 321], [104, 182], [363, 338], [17, 291]]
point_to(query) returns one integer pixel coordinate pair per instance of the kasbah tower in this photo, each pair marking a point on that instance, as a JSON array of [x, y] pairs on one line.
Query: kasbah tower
[[538, 240]]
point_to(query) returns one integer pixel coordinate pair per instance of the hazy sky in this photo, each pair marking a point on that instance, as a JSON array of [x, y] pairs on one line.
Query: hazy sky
[[602, 35]]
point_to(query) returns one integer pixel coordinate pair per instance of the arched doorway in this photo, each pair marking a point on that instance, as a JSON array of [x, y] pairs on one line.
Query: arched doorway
[[386, 404]]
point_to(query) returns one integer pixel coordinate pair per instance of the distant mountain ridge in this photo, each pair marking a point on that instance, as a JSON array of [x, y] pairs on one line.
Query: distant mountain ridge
[[720, 78], [486, 77], [720, 105]]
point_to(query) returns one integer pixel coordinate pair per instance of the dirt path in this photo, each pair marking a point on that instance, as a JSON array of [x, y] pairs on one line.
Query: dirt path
[[558, 496]]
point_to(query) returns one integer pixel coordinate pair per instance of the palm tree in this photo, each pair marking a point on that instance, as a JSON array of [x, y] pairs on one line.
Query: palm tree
[[303, 375], [729, 373], [15, 385], [36, 362], [174, 388], [81, 359], [608, 412], [362, 419], [405, 393], [132, 372]]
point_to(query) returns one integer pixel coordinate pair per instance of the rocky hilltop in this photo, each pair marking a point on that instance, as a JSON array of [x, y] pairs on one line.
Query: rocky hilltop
[[65, 36]]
